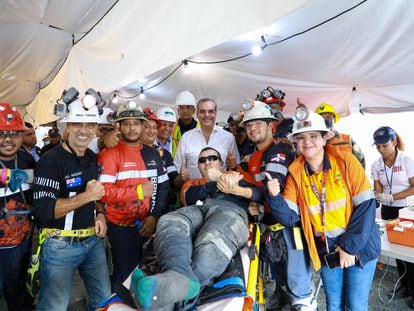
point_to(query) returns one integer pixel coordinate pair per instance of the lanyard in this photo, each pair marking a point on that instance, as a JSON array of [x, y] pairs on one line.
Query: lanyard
[[389, 180], [321, 197]]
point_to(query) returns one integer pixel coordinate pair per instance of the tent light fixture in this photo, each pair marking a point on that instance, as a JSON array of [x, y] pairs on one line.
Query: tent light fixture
[[257, 50], [115, 99], [186, 68], [141, 94]]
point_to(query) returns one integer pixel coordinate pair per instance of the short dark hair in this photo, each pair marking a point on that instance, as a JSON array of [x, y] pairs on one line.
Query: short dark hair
[[210, 148], [207, 99]]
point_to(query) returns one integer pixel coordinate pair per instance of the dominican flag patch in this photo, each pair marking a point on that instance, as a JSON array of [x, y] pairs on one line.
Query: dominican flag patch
[[73, 182], [279, 157]]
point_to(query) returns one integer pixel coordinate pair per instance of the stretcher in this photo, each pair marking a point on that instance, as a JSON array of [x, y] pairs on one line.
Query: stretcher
[[248, 297]]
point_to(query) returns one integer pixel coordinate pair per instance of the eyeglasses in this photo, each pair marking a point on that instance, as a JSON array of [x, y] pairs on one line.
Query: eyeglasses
[[4, 134], [254, 123], [312, 137], [209, 158]]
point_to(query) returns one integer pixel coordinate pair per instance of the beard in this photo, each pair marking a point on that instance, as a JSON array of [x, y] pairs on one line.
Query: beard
[[8, 150]]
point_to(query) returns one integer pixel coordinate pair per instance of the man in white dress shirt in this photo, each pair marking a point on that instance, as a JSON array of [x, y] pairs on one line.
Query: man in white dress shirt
[[208, 134]]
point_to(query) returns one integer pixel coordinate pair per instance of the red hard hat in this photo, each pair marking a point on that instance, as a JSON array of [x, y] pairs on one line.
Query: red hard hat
[[274, 100], [11, 119], [150, 115]]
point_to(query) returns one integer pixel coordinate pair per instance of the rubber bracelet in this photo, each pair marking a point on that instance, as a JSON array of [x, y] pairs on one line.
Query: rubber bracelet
[[140, 192], [8, 176], [3, 177]]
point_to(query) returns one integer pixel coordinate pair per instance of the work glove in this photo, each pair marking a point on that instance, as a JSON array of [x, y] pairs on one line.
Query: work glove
[[384, 197], [17, 178]]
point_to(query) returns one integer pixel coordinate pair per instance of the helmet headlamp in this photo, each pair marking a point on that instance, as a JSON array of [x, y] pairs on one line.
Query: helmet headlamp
[[266, 93], [132, 104], [247, 104], [301, 114], [235, 116], [270, 92], [88, 101]]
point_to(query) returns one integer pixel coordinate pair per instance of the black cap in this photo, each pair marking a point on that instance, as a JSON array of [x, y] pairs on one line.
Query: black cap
[[53, 132]]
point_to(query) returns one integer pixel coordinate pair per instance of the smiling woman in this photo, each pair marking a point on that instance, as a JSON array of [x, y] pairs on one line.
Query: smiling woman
[[323, 184]]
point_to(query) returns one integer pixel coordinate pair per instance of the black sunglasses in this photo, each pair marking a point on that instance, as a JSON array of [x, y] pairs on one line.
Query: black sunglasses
[[4, 134], [210, 158]]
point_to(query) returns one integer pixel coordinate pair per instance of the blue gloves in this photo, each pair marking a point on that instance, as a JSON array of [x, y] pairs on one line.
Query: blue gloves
[[17, 178]]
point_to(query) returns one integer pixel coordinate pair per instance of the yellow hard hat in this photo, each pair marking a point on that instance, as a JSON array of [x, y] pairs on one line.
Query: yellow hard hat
[[325, 107]]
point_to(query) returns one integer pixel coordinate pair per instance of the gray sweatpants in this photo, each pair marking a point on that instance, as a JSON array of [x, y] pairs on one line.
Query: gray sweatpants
[[200, 240]]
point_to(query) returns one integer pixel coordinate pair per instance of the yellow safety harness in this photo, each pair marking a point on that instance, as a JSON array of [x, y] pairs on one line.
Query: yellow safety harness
[[79, 233]]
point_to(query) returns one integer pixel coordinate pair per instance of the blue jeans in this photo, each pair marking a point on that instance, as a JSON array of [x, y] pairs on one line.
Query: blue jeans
[[58, 261], [13, 274], [348, 289]]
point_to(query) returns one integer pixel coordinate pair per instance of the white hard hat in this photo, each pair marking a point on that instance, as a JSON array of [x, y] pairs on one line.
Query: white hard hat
[[258, 111], [105, 117], [185, 98], [166, 114], [313, 123], [78, 113], [129, 110]]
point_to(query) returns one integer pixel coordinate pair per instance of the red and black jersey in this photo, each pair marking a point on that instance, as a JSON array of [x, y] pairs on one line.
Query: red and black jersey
[[124, 167], [274, 159]]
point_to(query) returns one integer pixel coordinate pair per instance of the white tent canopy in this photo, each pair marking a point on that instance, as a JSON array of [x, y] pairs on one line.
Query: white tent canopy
[[367, 49], [36, 37]]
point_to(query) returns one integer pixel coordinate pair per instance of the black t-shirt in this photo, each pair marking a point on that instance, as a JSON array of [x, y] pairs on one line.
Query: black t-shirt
[[61, 174], [47, 147]]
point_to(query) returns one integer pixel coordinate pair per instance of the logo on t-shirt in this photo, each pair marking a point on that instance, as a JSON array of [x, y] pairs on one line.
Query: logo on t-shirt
[[280, 157], [74, 182], [398, 168], [152, 163]]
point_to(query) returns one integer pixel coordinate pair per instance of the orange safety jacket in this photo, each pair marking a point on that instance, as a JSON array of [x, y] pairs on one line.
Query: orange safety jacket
[[341, 141], [355, 193]]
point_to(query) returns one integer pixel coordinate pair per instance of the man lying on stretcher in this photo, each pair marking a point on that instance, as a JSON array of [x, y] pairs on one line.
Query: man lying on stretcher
[[195, 244]]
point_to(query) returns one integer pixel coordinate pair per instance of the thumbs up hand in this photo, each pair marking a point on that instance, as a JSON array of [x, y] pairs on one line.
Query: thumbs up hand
[[231, 160], [300, 104], [273, 186], [112, 138], [184, 172]]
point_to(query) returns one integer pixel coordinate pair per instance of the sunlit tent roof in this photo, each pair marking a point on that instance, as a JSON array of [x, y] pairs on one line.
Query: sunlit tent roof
[[356, 55]]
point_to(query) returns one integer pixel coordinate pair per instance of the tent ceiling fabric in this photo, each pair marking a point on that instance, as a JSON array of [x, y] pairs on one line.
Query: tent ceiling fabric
[[369, 48], [36, 37], [139, 37]]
